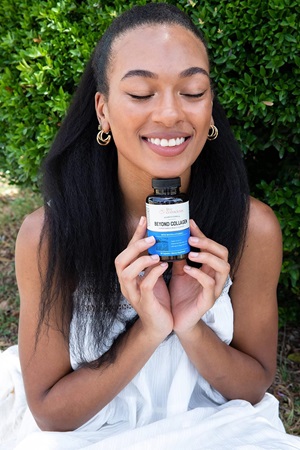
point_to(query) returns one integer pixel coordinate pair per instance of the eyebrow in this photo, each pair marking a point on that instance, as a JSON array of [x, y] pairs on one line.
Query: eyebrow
[[147, 74], [193, 71], [139, 73]]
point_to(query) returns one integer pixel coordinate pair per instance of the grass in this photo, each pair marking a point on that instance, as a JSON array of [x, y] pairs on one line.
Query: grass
[[15, 204]]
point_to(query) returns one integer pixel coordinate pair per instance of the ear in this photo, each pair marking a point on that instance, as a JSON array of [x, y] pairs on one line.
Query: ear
[[102, 111], [212, 122]]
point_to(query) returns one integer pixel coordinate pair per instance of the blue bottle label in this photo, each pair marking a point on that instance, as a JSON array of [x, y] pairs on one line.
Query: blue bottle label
[[169, 224]]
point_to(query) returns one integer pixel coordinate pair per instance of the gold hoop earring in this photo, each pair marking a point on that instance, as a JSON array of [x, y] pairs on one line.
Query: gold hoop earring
[[212, 133], [102, 140]]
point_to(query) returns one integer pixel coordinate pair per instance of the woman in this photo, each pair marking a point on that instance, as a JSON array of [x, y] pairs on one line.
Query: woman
[[117, 349]]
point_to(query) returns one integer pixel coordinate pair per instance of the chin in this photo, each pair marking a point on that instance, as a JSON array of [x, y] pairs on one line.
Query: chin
[[168, 172]]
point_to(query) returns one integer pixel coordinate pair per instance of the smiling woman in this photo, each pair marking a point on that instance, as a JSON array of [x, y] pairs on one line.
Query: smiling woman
[[119, 349], [163, 99]]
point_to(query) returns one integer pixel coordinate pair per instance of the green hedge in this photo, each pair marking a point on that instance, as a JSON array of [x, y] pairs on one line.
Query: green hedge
[[255, 50]]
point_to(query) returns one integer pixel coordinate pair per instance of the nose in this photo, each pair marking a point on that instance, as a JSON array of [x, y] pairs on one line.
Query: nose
[[168, 110]]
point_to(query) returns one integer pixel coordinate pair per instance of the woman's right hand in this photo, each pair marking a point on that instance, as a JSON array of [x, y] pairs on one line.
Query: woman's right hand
[[147, 293]]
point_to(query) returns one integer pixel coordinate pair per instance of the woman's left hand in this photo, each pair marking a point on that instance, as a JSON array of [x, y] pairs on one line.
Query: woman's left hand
[[194, 291]]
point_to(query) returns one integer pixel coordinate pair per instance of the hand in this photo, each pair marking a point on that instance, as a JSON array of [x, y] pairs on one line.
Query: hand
[[194, 291], [148, 295]]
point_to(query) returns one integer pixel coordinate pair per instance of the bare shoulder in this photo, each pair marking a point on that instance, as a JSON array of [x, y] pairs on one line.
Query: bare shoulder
[[263, 223], [262, 252], [31, 228], [28, 245]]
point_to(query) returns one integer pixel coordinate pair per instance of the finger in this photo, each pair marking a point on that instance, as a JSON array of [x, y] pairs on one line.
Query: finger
[[204, 243], [206, 297], [218, 264], [206, 281], [217, 271], [132, 271], [141, 288], [149, 280], [214, 266], [140, 230], [127, 256], [129, 276], [195, 230]]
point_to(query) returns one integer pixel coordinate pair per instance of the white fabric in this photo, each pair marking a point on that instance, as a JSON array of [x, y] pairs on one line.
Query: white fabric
[[167, 406], [12, 395]]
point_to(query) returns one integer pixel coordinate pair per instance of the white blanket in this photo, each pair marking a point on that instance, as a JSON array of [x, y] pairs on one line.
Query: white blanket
[[234, 425], [168, 405]]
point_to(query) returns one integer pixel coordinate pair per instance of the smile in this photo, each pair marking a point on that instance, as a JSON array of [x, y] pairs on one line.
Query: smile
[[166, 142], [167, 147]]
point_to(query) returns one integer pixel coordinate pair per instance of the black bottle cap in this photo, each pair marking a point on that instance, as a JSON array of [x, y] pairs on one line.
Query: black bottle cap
[[166, 182]]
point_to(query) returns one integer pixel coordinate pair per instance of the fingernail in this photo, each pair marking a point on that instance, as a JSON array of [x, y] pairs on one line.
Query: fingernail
[[194, 239], [150, 239], [193, 223], [187, 267], [193, 255], [155, 257], [164, 264], [142, 220]]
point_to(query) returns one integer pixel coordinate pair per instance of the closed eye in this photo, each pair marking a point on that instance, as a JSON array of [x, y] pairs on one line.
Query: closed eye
[[146, 97], [194, 95], [140, 97]]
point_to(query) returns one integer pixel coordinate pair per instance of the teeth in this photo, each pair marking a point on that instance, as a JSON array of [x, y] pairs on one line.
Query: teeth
[[166, 142]]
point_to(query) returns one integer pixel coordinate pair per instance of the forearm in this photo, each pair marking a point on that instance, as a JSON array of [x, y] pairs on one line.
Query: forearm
[[231, 372], [79, 395]]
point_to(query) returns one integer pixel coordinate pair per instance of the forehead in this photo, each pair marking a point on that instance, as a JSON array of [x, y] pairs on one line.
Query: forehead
[[157, 48]]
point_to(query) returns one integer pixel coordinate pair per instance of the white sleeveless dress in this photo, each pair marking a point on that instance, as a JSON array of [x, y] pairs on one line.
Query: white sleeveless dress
[[167, 406]]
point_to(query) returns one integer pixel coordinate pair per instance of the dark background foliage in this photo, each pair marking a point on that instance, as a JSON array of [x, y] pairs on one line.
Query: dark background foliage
[[255, 64]]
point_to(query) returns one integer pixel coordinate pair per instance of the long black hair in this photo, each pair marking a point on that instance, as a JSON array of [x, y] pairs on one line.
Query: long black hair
[[85, 225]]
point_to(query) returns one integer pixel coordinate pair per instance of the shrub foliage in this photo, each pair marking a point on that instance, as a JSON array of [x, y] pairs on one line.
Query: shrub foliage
[[255, 64]]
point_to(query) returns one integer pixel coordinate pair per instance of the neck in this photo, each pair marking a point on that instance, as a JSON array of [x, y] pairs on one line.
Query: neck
[[135, 188]]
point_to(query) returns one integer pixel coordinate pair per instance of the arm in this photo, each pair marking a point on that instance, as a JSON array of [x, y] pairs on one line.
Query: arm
[[62, 399], [246, 368]]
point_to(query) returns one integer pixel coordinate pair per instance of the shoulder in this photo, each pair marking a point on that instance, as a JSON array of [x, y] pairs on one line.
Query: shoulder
[[263, 224], [262, 252], [32, 226], [29, 235], [264, 215]]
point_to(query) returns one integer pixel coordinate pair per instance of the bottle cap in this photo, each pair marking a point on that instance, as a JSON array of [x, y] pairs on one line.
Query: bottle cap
[[166, 182]]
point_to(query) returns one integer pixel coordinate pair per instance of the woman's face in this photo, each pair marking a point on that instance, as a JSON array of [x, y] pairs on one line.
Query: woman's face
[[159, 105]]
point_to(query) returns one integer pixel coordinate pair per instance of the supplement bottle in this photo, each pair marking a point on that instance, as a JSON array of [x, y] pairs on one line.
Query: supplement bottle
[[167, 211]]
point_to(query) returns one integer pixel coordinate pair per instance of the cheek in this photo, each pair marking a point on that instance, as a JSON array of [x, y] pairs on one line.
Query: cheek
[[201, 122], [123, 116], [204, 117]]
